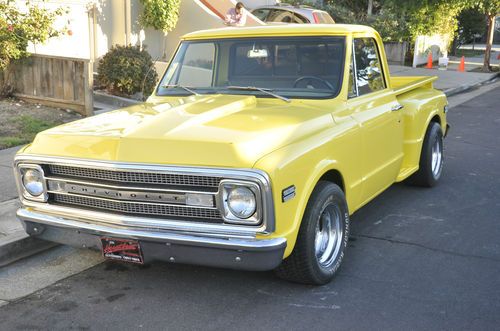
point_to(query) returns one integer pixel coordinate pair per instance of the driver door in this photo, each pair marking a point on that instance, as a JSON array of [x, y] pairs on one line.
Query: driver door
[[377, 112]]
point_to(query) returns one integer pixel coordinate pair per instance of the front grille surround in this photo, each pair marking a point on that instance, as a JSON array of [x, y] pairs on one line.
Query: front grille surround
[[200, 176]]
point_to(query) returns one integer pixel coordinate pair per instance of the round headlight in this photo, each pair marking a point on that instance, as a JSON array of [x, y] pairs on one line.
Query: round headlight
[[33, 182], [241, 202]]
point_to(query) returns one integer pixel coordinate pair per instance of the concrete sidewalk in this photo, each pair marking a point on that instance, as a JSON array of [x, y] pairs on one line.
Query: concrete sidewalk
[[449, 81], [15, 244]]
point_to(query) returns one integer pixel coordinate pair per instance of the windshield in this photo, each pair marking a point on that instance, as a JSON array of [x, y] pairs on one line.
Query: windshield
[[303, 67]]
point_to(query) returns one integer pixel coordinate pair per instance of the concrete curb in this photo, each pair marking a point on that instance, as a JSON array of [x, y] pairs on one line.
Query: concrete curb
[[19, 246], [467, 88]]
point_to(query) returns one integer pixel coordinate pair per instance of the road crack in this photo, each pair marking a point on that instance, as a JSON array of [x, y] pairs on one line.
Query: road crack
[[443, 251]]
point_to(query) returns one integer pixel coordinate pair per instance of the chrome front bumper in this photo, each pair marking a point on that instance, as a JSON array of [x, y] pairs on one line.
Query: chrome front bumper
[[178, 247]]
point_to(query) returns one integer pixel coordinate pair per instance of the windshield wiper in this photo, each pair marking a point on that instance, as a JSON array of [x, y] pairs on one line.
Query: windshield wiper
[[260, 89], [185, 88]]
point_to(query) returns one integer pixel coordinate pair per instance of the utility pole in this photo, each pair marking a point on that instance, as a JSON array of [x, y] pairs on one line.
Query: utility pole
[[370, 8]]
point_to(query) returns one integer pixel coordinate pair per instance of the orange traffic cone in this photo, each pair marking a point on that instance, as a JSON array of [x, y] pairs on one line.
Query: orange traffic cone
[[461, 66], [429, 61]]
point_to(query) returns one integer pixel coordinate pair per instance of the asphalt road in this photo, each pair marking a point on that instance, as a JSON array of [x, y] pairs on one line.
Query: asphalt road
[[418, 259]]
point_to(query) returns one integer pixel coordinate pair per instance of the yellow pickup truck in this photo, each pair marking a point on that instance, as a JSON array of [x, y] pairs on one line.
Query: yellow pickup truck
[[252, 153]]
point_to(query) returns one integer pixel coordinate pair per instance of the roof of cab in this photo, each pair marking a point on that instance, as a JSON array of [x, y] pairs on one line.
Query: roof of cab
[[280, 30]]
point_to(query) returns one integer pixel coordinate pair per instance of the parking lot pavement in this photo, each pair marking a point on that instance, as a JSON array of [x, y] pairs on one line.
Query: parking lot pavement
[[417, 259]]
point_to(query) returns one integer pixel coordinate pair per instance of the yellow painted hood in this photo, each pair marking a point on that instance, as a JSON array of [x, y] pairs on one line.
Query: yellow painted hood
[[207, 130]]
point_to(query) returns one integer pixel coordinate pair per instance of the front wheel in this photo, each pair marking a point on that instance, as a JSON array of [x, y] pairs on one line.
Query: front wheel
[[431, 158], [322, 238]]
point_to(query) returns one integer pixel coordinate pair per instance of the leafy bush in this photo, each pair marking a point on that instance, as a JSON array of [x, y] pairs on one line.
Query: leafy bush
[[127, 70], [161, 15]]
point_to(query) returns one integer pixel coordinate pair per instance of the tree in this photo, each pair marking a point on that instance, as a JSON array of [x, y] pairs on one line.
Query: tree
[[471, 22], [350, 11], [490, 8], [161, 15], [20, 27], [427, 17], [400, 20]]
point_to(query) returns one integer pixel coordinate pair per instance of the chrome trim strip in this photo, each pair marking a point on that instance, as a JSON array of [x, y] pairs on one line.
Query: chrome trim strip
[[255, 175], [120, 187], [355, 68], [132, 201], [236, 244], [93, 191]]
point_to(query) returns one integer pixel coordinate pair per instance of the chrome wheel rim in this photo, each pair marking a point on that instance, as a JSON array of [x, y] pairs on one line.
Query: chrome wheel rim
[[328, 238], [437, 158]]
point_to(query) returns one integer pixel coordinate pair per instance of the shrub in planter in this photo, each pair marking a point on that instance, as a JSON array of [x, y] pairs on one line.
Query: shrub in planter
[[127, 70]]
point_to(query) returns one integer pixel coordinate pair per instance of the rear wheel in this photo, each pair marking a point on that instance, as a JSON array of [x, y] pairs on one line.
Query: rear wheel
[[431, 158], [322, 238]]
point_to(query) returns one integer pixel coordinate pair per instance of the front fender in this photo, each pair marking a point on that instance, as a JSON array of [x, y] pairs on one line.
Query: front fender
[[302, 165]]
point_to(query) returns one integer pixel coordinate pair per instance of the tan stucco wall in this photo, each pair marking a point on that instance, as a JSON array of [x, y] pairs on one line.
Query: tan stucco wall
[[192, 17], [111, 26]]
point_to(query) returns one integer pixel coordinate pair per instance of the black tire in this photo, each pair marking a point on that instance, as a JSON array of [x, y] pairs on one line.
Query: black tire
[[427, 174], [303, 265]]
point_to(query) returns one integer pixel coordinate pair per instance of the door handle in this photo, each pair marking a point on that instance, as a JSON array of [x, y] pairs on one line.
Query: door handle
[[397, 107]]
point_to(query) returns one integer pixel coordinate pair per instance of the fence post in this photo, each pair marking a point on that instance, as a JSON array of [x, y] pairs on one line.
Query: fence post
[[88, 73], [89, 66]]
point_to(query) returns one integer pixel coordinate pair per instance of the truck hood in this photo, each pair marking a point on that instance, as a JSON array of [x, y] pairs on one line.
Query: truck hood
[[209, 130]]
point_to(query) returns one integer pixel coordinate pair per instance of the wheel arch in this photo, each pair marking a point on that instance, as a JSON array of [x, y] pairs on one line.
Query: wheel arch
[[326, 170], [334, 176]]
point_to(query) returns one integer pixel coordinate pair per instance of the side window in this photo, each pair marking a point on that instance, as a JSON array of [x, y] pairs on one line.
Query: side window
[[278, 15], [369, 75], [197, 70], [297, 18], [261, 14], [351, 87]]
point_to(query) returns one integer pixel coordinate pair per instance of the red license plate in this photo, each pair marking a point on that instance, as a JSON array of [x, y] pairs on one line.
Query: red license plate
[[122, 250]]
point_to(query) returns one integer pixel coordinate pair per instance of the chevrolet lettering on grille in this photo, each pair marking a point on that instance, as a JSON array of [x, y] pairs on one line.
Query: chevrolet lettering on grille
[[124, 194]]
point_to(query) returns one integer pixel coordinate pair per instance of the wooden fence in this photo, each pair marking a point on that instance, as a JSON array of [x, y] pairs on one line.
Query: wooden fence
[[396, 52], [54, 81]]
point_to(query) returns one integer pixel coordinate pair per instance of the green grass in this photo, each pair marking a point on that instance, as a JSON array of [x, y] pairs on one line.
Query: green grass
[[25, 127], [8, 142], [469, 52], [30, 126]]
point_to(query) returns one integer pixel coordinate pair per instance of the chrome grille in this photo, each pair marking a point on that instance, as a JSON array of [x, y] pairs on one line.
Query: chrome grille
[[135, 177], [138, 208]]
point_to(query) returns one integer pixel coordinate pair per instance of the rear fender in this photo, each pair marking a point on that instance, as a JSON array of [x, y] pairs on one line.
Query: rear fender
[[421, 106]]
